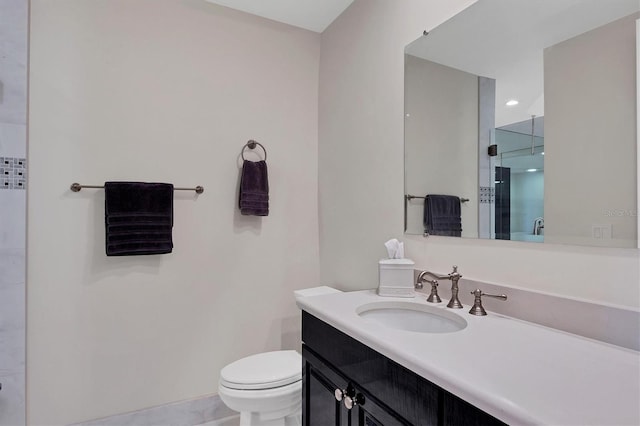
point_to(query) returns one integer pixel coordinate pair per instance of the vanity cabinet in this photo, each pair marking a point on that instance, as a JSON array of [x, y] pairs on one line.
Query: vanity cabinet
[[347, 383], [325, 393]]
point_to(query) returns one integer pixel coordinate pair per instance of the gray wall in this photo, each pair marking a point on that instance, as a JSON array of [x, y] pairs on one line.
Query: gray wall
[[361, 127], [13, 133], [168, 91], [591, 105], [441, 133], [361, 173]]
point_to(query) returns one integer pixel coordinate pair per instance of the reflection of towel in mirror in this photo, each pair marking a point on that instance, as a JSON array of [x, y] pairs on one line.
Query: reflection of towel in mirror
[[442, 215], [138, 218], [254, 189]]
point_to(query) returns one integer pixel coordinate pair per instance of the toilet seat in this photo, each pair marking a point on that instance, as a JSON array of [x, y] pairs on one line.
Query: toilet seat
[[263, 371]]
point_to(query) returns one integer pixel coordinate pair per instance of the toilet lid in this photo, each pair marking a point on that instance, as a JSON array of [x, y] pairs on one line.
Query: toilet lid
[[263, 371]]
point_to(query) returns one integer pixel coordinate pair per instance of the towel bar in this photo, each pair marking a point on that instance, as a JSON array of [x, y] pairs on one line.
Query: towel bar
[[411, 197], [76, 187]]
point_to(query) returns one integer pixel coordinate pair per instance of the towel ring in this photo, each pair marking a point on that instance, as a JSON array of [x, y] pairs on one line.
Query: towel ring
[[252, 145]]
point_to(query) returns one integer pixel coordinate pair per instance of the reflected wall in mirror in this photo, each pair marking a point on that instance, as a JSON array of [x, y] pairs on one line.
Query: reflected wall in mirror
[[528, 110]]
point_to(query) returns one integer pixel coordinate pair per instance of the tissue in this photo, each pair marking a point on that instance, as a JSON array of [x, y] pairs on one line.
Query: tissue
[[395, 249]]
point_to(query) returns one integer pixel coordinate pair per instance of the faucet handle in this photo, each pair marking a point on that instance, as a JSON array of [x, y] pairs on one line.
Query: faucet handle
[[477, 308], [433, 297], [455, 272]]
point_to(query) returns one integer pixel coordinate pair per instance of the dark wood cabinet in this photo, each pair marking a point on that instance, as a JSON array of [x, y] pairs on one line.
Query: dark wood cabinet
[[322, 407], [318, 393], [386, 393]]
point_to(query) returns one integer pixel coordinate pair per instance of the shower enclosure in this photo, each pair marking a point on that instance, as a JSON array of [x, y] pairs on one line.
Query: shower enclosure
[[519, 186]]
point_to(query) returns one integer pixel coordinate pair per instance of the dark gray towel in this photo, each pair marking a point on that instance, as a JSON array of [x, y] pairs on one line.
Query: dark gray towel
[[138, 218], [254, 189], [442, 215]]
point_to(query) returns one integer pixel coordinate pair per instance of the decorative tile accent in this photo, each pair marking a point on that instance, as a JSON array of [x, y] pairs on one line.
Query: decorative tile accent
[[13, 173], [487, 194]]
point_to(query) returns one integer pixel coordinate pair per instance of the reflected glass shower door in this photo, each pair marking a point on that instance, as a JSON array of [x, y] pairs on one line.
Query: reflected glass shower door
[[519, 194]]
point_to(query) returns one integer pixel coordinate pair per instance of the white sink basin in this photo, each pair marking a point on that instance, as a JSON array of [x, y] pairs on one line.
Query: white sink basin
[[409, 316]]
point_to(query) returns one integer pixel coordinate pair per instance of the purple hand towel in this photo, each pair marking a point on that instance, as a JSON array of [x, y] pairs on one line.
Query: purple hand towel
[[254, 189]]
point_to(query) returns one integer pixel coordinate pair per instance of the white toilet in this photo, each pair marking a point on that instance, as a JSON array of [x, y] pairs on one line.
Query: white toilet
[[265, 388]]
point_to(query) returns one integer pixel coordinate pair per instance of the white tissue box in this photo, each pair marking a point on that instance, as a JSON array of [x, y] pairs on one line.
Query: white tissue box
[[396, 278]]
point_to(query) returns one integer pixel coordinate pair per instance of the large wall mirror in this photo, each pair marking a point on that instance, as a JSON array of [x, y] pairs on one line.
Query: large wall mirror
[[525, 112]]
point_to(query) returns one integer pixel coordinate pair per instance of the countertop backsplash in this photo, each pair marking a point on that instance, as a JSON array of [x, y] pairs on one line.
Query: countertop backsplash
[[604, 322]]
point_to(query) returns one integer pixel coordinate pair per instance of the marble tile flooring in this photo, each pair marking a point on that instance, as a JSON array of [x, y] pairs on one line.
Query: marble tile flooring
[[227, 421], [207, 410]]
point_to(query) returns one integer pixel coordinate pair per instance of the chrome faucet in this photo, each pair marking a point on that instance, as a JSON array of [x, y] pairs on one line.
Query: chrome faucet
[[477, 308], [433, 297], [538, 225], [453, 276]]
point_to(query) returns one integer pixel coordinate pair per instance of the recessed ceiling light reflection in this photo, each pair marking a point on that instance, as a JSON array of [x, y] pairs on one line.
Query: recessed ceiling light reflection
[[532, 170], [512, 102]]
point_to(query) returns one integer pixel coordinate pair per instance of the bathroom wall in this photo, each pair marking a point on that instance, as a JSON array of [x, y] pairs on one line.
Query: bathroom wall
[[448, 97], [597, 107], [361, 173], [169, 91], [361, 128], [13, 139]]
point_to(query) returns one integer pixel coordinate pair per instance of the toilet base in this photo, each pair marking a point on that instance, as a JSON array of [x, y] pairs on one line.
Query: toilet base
[[267, 407]]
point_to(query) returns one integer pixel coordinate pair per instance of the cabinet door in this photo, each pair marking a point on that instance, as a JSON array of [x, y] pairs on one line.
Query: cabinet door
[[370, 413], [319, 384], [401, 392], [321, 408]]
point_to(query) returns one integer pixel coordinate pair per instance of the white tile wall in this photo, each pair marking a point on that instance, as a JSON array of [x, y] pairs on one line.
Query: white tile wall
[[13, 61], [13, 143], [12, 265], [12, 400], [12, 308], [13, 139], [12, 316], [13, 220]]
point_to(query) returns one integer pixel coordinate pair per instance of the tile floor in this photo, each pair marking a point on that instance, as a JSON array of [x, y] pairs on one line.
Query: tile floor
[[227, 421]]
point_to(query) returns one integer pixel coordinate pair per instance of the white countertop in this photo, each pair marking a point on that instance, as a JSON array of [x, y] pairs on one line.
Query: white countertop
[[519, 372]]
